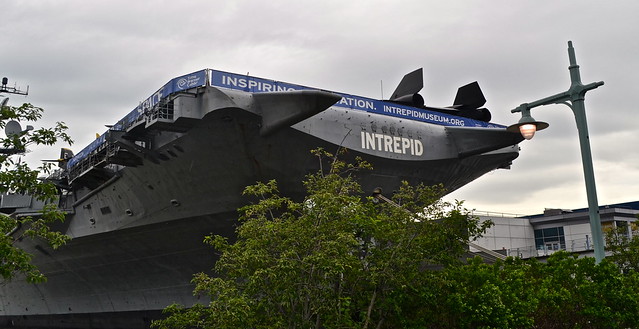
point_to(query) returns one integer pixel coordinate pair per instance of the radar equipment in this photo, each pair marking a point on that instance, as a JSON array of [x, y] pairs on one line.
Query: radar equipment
[[11, 90], [14, 129]]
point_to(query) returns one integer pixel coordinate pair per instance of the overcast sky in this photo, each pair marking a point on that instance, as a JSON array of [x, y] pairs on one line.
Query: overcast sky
[[88, 63]]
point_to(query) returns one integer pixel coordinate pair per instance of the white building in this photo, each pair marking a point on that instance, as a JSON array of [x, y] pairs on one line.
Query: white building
[[556, 229]]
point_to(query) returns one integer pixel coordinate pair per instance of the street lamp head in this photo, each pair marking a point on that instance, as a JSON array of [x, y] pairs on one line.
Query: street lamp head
[[527, 125], [528, 130]]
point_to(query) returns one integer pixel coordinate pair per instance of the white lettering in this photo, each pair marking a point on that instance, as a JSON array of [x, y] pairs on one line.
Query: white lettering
[[392, 144], [379, 138], [370, 141], [405, 144], [388, 142], [359, 103], [426, 116], [419, 148], [253, 84]]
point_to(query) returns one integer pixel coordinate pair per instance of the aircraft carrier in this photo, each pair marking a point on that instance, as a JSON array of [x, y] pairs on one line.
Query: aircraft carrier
[[142, 196]]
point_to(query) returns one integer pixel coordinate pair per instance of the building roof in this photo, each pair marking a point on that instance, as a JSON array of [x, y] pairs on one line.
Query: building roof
[[632, 205]]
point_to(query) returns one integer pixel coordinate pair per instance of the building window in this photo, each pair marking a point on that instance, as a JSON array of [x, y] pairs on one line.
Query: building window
[[550, 238]]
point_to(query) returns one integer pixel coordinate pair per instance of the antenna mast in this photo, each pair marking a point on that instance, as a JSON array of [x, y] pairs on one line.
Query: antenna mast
[[11, 90]]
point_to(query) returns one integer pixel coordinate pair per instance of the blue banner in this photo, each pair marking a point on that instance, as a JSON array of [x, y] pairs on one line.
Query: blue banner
[[259, 85], [86, 151], [195, 79]]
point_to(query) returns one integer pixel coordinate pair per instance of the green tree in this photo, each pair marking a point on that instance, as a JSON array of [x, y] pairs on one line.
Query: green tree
[[17, 177], [624, 248], [480, 295], [334, 260], [575, 292], [563, 292]]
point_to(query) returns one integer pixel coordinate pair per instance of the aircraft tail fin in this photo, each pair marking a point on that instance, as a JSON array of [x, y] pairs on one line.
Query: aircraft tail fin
[[469, 101], [408, 89], [411, 83], [65, 155], [469, 97]]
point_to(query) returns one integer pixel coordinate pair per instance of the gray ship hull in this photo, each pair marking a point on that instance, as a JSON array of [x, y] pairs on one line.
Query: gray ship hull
[[138, 221]]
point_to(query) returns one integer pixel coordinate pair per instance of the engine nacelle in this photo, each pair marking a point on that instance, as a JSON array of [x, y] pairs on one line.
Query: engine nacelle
[[415, 100]]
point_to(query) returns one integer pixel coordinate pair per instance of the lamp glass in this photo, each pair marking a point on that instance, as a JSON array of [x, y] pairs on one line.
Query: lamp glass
[[528, 130]]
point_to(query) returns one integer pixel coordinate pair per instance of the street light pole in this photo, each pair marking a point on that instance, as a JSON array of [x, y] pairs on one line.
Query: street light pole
[[574, 98]]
